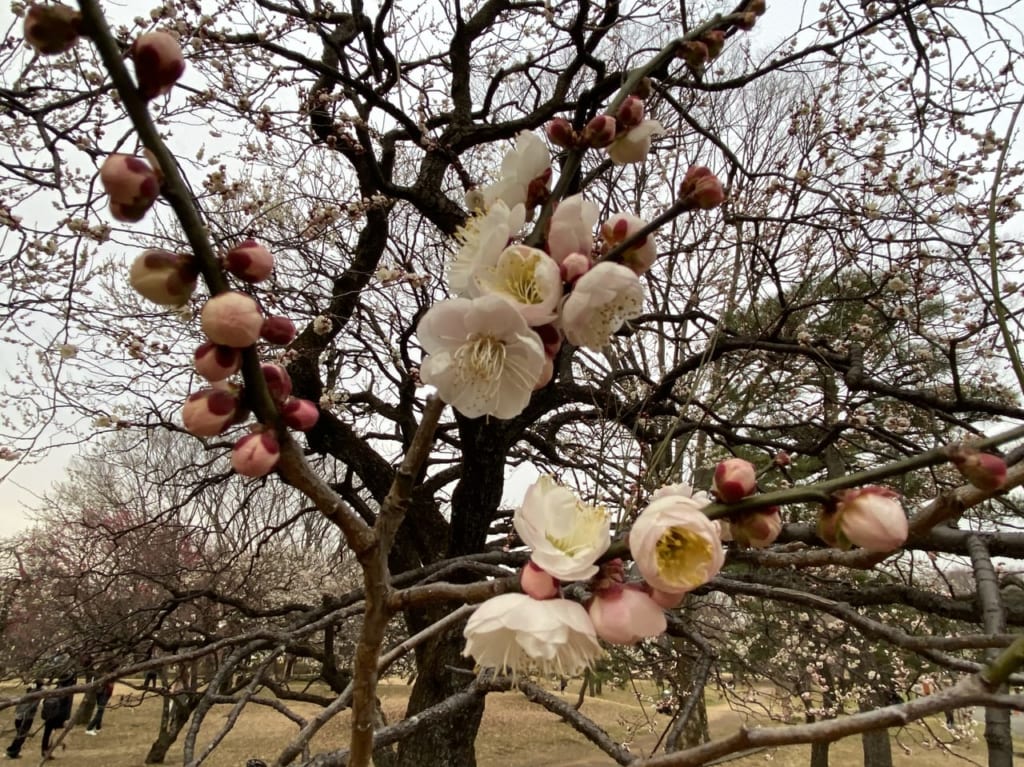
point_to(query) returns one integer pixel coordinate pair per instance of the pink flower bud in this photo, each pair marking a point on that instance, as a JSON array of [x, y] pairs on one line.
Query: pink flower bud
[[693, 52], [278, 381], [165, 278], [255, 454], [625, 615], [52, 29], [715, 41], [158, 63], [600, 132], [215, 363], [132, 185], [249, 261], [735, 478], [537, 583], [560, 133], [232, 319], [756, 529], [299, 414], [782, 458], [701, 189], [208, 412], [985, 471], [631, 113], [575, 266], [278, 330], [872, 518], [828, 527]]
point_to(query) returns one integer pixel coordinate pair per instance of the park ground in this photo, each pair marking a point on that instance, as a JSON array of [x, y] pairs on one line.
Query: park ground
[[514, 733]]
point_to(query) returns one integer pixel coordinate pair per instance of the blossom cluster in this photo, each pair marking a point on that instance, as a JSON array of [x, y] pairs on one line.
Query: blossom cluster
[[492, 345], [675, 546]]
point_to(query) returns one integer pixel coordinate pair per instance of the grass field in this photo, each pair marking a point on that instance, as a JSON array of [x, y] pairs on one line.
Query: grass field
[[515, 733]]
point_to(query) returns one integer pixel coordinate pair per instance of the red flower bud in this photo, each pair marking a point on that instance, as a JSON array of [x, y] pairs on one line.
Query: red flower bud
[[701, 189], [132, 185], [278, 381], [693, 52], [552, 339], [255, 454], [537, 191], [560, 133], [52, 29], [249, 261], [299, 414], [631, 112], [782, 458], [232, 319], [165, 278], [208, 412], [278, 330], [735, 478], [757, 529], [600, 132], [746, 21], [985, 471], [715, 41], [158, 63], [216, 363]]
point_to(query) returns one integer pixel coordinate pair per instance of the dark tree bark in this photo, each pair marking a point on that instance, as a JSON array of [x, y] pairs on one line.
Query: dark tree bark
[[177, 710]]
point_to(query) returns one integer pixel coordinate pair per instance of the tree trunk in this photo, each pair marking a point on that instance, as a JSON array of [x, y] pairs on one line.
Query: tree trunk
[[876, 744], [819, 754], [85, 709], [177, 710]]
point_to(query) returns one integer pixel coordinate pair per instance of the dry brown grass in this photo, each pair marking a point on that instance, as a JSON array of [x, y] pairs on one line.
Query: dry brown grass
[[514, 733]]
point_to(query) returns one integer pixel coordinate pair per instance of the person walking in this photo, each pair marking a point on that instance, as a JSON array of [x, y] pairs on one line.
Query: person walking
[[57, 711], [103, 696], [24, 715]]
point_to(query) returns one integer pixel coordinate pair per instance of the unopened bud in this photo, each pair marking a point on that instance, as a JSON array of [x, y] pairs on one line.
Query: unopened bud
[[701, 189], [537, 190], [746, 21], [871, 517], [232, 319], [132, 185], [278, 330], [158, 63], [249, 261], [255, 455], [165, 278], [278, 381], [600, 132], [208, 412], [216, 363], [735, 479], [560, 133], [782, 458], [715, 41], [631, 113], [52, 29], [537, 583], [644, 88], [574, 266], [757, 529], [693, 52], [299, 414], [985, 471], [757, 7], [552, 339]]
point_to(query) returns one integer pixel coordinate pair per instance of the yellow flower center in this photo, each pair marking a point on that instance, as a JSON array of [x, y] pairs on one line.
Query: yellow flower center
[[516, 276], [682, 556], [482, 358], [587, 523]]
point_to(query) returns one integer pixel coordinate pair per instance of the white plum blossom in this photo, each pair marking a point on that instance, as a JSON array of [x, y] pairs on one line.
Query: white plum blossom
[[322, 325], [572, 228], [483, 358], [516, 632], [567, 536], [522, 166], [603, 298], [526, 277], [633, 145], [482, 239], [641, 254], [675, 545]]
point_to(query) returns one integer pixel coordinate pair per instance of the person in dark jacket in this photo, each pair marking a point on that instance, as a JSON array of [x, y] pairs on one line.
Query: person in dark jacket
[[103, 696], [56, 716], [24, 715]]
